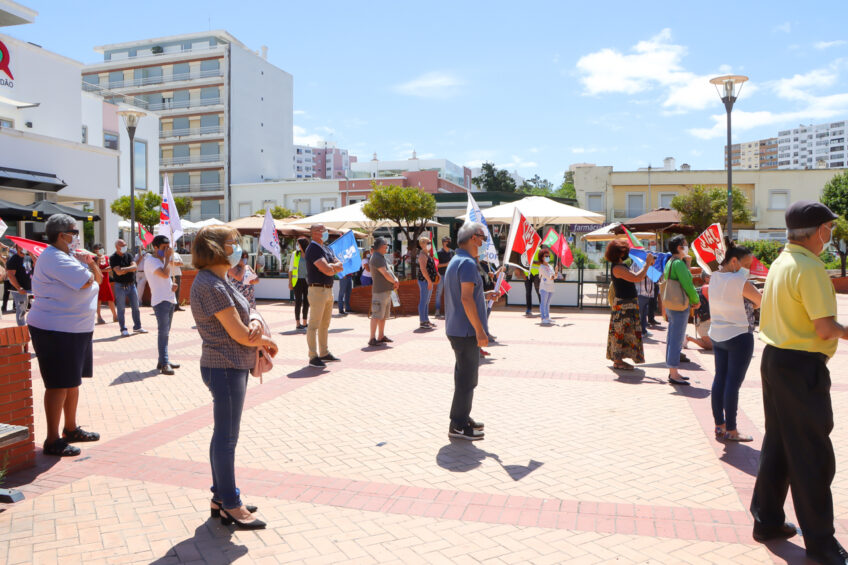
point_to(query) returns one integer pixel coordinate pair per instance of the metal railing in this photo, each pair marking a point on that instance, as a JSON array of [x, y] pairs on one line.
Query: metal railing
[[203, 187], [165, 161], [185, 132], [163, 79], [178, 104], [165, 54]]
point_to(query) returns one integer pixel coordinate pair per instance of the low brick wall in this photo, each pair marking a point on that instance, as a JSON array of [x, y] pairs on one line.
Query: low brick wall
[[16, 406], [360, 299]]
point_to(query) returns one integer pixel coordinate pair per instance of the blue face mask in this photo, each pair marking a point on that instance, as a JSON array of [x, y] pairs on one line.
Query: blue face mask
[[235, 256], [325, 235], [160, 253], [481, 251]]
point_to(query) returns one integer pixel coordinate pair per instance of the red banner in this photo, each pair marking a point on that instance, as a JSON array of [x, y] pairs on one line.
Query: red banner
[[758, 270], [34, 247], [709, 248], [522, 243], [562, 249], [145, 236]]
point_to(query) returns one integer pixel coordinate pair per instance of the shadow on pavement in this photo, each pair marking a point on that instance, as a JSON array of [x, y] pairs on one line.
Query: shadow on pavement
[[25, 477], [306, 372], [133, 377], [691, 391], [211, 543], [108, 339], [742, 456], [791, 553], [461, 456], [634, 377]]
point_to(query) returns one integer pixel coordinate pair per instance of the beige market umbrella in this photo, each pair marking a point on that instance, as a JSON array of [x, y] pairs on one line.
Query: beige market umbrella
[[540, 211], [607, 233]]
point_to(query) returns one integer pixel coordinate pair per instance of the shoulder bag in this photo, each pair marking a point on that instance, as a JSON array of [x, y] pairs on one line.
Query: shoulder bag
[[673, 296]]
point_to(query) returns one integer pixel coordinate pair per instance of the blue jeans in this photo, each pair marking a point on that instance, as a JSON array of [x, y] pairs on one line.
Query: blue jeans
[[20, 302], [121, 293], [424, 302], [675, 336], [732, 358], [164, 314], [545, 305], [345, 289], [440, 288], [228, 387], [644, 312]]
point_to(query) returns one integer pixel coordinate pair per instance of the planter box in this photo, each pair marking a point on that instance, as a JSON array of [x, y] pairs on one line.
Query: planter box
[[185, 289], [360, 299], [16, 396], [840, 284]]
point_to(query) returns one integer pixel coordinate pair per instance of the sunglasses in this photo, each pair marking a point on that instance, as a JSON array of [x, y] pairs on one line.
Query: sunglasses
[[75, 232]]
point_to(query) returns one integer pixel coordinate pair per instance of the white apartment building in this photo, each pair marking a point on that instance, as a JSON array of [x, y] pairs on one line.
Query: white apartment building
[[225, 112], [307, 196], [60, 144], [820, 146]]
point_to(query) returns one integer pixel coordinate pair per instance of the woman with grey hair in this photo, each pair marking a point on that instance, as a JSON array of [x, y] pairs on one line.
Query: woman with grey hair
[[65, 284]]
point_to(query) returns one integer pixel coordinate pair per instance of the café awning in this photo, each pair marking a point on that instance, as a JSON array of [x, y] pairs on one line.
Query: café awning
[[30, 180]]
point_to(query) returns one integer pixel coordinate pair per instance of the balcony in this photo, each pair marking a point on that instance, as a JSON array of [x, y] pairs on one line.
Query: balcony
[[181, 104], [190, 160], [205, 187], [148, 81], [191, 132]]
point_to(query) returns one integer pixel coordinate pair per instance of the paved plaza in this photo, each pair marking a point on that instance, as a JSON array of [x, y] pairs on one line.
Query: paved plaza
[[353, 464]]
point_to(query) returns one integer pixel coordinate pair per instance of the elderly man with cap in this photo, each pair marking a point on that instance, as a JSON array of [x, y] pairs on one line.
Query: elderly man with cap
[[798, 324]]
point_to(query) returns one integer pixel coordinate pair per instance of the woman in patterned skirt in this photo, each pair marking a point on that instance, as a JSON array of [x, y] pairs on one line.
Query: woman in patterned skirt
[[625, 334]]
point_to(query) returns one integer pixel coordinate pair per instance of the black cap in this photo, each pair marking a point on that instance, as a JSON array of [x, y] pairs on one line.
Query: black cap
[[808, 214]]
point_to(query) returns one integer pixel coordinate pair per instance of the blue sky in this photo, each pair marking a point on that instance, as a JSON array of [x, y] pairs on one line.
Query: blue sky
[[530, 86]]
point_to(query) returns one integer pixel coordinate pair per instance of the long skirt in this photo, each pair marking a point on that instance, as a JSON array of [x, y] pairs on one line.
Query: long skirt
[[625, 334]]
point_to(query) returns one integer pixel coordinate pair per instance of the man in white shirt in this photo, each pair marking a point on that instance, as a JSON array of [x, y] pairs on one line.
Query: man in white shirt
[[157, 267]]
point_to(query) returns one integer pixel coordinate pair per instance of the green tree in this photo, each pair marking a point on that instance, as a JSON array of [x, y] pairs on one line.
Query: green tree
[[147, 208], [835, 194], [536, 186], [840, 240], [765, 250], [409, 207], [702, 206], [279, 213], [566, 188], [491, 179]]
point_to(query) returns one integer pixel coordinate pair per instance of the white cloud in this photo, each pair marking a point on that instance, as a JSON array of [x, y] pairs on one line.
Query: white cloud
[[327, 130], [517, 163], [829, 44], [299, 112], [785, 27], [431, 85], [302, 138], [426, 155]]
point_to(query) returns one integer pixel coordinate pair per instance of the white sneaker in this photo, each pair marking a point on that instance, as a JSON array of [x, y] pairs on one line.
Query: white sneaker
[[125, 333], [140, 331]]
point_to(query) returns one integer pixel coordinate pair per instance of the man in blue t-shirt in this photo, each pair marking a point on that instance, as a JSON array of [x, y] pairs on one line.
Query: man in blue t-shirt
[[321, 265], [466, 326]]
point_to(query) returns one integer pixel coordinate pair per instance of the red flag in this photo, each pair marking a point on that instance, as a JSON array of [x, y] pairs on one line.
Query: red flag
[[632, 240], [758, 270], [504, 288], [709, 248], [34, 247], [522, 243], [145, 236], [564, 251]]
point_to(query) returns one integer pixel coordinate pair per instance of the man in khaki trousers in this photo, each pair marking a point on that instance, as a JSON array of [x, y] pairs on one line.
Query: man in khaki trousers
[[321, 265]]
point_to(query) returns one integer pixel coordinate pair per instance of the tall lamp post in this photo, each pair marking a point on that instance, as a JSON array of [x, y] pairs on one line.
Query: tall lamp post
[[131, 118], [728, 94]]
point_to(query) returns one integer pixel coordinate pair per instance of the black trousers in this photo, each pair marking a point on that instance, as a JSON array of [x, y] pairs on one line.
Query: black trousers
[[796, 452], [7, 286], [530, 282], [179, 281], [301, 290], [464, 378]]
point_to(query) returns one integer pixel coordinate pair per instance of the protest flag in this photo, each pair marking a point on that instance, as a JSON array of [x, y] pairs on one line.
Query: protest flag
[[632, 240], [522, 243], [169, 218], [268, 237], [347, 252], [474, 214], [145, 236], [709, 248], [758, 270]]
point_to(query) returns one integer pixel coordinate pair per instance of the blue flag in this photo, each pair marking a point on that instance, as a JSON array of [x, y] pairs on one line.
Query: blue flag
[[655, 271], [347, 252]]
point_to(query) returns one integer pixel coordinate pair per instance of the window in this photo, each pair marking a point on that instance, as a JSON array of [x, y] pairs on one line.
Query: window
[[140, 164], [635, 205], [778, 199], [666, 198], [210, 180], [209, 149], [210, 209], [210, 67], [210, 95], [180, 182], [303, 206], [116, 79], [328, 204], [180, 71], [110, 140], [595, 202], [244, 209], [210, 121], [180, 126], [84, 137]]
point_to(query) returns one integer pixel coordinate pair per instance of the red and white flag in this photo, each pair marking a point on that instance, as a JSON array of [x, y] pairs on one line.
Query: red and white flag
[[563, 250], [709, 248], [34, 247], [145, 236], [169, 218], [522, 243], [633, 241], [758, 270]]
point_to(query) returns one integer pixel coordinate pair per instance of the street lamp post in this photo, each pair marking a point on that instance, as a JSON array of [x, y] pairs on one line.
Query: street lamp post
[[728, 94], [131, 118]]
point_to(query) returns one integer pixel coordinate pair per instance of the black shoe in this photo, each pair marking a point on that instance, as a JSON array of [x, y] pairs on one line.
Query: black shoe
[[763, 534], [832, 554], [316, 362], [492, 337], [302, 326], [61, 448], [684, 359], [178, 309], [680, 383], [79, 435], [476, 425], [329, 357], [227, 519], [373, 342], [171, 363], [166, 369], [215, 508], [467, 433], [384, 339]]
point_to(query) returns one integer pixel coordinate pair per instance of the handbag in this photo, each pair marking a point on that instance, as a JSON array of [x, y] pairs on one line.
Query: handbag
[[263, 363], [673, 296]]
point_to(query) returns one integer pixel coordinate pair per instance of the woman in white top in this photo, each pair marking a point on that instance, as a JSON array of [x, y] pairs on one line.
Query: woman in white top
[[365, 278], [546, 286], [732, 339]]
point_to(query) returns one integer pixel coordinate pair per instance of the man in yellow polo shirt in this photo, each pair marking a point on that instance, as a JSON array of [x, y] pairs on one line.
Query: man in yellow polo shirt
[[798, 324]]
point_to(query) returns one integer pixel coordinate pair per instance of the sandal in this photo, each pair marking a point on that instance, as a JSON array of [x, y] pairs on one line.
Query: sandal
[[623, 366], [720, 432], [674, 382], [79, 435], [737, 437], [61, 448]]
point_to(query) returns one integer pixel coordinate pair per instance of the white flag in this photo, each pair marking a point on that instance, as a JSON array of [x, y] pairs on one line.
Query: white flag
[[169, 218], [268, 236], [3, 227], [474, 214]]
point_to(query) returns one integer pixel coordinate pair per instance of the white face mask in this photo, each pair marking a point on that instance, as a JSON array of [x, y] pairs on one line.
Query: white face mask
[[829, 239], [74, 244], [547, 259], [685, 250]]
